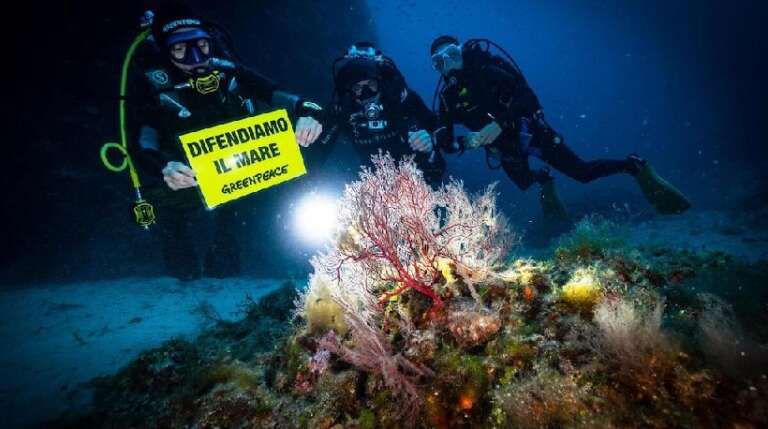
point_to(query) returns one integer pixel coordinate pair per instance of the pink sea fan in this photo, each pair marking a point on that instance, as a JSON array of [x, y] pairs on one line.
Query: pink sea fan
[[397, 233], [372, 353], [397, 230]]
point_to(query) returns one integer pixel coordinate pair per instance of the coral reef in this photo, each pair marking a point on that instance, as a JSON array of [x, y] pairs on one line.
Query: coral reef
[[412, 320]]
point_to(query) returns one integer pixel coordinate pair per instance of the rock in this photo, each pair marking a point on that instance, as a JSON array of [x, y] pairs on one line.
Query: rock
[[421, 346], [471, 325]]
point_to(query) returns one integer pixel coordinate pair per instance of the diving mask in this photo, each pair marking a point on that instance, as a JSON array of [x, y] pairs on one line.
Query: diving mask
[[448, 58], [366, 89], [190, 47]]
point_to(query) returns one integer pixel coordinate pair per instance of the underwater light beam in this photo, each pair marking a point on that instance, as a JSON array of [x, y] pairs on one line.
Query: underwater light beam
[[316, 218]]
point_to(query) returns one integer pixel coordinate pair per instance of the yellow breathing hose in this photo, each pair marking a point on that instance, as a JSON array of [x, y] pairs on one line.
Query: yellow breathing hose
[[142, 210]]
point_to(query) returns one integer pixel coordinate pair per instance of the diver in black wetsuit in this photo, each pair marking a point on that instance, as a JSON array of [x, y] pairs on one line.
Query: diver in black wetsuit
[[373, 106], [490, 96], [185, 78]]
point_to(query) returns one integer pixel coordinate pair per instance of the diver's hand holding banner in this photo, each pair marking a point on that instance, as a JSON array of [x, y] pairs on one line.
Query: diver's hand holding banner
[[241, 157]]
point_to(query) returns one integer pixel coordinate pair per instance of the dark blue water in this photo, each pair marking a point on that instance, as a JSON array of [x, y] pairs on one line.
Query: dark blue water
[[676, 82]]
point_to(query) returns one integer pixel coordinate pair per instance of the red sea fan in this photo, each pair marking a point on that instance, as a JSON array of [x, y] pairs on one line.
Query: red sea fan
[[399, 231]]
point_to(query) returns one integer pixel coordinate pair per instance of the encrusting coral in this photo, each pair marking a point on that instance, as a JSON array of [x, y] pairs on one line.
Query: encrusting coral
[[321, 312], [583, 290]]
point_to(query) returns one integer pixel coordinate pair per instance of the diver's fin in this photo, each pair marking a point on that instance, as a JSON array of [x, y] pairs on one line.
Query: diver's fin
[[661, 194], [554, 209]]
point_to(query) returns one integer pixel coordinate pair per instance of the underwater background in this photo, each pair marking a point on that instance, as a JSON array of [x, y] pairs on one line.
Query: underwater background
[[83, 290]]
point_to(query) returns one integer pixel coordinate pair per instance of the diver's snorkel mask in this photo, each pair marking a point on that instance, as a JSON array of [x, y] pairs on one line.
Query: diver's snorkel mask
[[365, 91], [447, 59], [191, 48]]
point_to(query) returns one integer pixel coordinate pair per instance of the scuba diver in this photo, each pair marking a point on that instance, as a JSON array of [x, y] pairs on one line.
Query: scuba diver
[[186, 76], [490, 96], [373, 106]]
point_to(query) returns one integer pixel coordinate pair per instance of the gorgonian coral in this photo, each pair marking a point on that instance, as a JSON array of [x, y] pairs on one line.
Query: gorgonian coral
[[399, 234], [397, 231]]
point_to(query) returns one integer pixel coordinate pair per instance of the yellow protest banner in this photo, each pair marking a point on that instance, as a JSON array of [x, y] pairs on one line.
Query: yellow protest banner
[[239, 158]]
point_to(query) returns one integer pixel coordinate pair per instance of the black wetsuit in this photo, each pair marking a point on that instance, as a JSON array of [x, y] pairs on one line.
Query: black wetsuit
[[402, 110], [158, 113], [487, 89]]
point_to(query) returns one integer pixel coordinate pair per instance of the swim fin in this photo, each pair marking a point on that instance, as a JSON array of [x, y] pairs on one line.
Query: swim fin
[[554, 209], [661, 194]]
